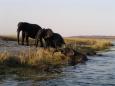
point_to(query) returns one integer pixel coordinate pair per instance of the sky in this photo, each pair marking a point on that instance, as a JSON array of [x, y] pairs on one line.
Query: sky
[[67, 17]]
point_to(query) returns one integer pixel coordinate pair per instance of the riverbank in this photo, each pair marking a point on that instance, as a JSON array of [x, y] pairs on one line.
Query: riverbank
[[14, 57], [88, 46]]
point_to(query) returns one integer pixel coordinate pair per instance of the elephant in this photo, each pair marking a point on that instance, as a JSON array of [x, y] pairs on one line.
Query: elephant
[[28, 30], [43, 34], [55, 41], [75, 57], [51, 39]]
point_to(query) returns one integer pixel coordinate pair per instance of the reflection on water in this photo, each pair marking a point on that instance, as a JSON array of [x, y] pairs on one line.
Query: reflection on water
[[98, 71]]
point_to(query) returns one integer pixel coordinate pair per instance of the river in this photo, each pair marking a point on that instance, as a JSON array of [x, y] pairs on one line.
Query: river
[[97, 71]]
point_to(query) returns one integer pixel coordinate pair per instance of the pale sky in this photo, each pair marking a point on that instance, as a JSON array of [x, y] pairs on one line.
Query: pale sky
[[67, 17]]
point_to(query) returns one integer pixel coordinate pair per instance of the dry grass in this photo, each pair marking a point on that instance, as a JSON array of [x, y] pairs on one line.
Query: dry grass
[[42, 56], [43, 59], [96, 44], [46, 59]]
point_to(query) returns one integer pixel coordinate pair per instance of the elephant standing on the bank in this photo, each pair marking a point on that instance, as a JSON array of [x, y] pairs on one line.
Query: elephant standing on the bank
[[43, 34], [54, 40], [28, 30]]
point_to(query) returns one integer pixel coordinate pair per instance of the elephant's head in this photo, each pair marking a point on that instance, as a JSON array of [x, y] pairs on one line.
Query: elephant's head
[[44, 33], [48, 33], [21, 26]]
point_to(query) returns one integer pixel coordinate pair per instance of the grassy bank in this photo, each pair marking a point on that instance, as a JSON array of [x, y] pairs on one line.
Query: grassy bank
[[40, 59], [87, 45], [94, 43]]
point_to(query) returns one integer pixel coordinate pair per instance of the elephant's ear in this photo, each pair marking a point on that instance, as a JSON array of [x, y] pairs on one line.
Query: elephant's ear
[[20, 25]]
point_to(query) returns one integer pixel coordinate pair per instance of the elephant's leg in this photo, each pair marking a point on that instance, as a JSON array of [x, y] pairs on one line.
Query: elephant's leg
[[23, 37], [27, 39], [36, 42], [41, 42], [47, 44], [53, 44]]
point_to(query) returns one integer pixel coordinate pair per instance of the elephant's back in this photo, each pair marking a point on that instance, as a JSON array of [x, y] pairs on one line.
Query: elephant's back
[[33, 29], [58, 37]]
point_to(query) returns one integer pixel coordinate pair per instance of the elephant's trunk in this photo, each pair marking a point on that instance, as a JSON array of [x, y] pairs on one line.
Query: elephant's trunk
[[18, 34]]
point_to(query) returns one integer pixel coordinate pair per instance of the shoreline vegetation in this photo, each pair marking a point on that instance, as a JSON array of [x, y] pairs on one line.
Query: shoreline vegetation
[[88, 46], [46, 60]]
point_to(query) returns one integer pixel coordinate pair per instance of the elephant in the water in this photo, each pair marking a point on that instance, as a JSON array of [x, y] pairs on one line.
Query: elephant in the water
[[54, 40], [28, 30]]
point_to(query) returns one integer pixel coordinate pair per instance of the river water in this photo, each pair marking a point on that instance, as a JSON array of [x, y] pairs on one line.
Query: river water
[[98, 71]]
